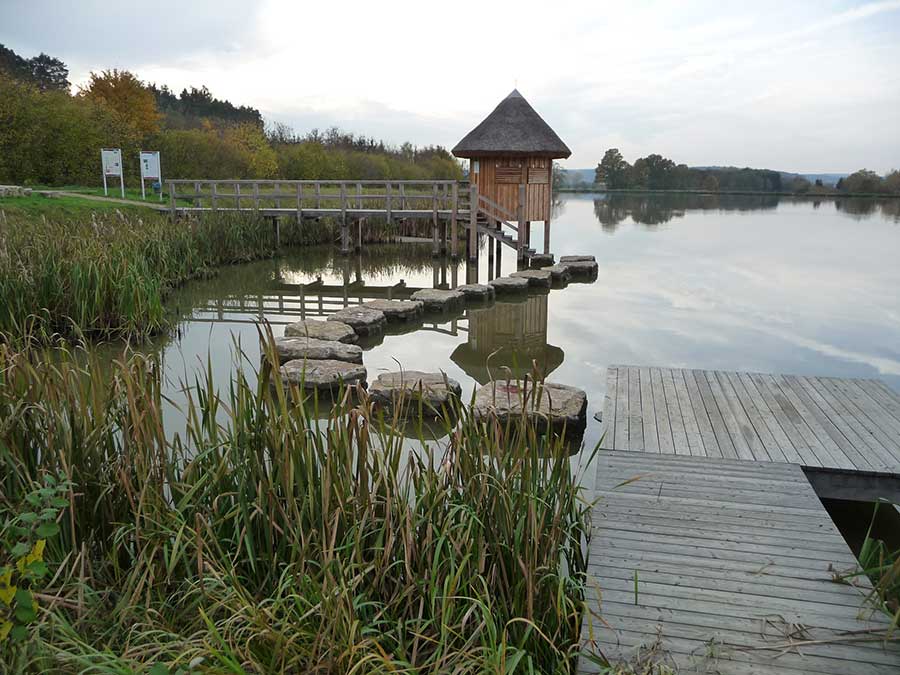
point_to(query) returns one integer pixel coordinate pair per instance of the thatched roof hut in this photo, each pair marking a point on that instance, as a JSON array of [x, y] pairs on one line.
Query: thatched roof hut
[[514, 129], [511, 157]]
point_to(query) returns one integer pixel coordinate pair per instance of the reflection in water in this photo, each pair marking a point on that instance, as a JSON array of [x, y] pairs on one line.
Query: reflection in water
[[651, 210], [508, 339]]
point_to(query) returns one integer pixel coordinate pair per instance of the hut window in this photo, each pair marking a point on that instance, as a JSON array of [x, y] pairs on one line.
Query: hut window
[[475, 166], [538, 176], [508, 174]]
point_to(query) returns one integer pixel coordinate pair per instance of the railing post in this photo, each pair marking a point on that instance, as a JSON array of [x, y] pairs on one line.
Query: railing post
[[256, 195], [435, 244], [359, 195], [387, 200], [237, 195], [473, 222], [172, 206], [213, 187], [277, 195], [299, 202], [547, 235], [318, 195], [454, 214], [520, 240], [345, 230], [196, 193]]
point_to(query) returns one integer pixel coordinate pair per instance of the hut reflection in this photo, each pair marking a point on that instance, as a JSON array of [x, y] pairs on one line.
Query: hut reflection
[[506, 340]]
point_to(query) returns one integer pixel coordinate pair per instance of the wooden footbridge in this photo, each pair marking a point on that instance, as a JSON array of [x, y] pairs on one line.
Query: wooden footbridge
[[446, 204], [711, 549]]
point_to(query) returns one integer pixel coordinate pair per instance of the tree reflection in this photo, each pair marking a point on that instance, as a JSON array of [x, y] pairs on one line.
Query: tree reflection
[[653, 210]]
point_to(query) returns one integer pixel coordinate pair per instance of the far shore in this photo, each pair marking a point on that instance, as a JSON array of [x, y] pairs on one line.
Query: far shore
[[816, 195]]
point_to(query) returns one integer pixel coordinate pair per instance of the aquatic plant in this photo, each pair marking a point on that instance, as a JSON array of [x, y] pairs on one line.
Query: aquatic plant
[[262, 538]]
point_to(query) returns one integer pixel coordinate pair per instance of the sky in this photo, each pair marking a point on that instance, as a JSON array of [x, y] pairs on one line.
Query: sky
[[796, 86]]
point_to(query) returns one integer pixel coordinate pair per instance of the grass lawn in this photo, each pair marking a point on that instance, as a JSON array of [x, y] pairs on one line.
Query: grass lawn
[[61, 206]]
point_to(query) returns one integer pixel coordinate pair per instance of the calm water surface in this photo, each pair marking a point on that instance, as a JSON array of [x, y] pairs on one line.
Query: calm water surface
[[738, 283]]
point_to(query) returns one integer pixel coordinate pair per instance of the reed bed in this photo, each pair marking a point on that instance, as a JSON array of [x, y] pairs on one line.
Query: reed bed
[[264, 539]]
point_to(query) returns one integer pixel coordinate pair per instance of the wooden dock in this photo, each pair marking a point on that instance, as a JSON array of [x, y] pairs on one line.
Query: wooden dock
[[844, 424], [725, 566], [711, 549]]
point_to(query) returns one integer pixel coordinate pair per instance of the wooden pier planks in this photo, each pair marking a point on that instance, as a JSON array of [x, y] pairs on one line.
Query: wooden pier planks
[[847, 424], [733, 561]]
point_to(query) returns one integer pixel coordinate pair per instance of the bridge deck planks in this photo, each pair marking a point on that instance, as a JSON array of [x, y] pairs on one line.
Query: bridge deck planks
[[731, 557], [845, 424]]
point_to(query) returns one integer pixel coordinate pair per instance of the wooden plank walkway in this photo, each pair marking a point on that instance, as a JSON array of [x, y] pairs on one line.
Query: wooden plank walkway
[[832, 423], [720, 565]]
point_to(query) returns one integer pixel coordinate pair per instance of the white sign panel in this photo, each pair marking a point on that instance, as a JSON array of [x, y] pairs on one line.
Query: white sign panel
[[150, 165], [112, 162]]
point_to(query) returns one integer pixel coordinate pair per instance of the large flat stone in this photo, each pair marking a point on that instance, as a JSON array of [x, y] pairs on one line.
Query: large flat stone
[[582, 269], [552, 405], [363, 320], [397, 310], [535, 278], [510, 285], [292, 348], [559, 273], [435, 390], [577, 258], [540, 260], [325, 375], [481, 292], [321, 330], [437, 300]]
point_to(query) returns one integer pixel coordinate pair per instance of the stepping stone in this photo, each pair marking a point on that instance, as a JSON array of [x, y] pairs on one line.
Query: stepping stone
[[397, 310], [321, 330], [433, 389], [437, 300], [535, 278], [292, 348], [540, 260], [560, 273], [547, 404], [577, 258], [325, 375], [582, 269], [362, 320], [477, 291], [510, 285]]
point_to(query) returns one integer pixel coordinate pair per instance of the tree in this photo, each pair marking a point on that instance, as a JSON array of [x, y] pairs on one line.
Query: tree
[[124, 93], [612, 170], [864, 181], [49, 73], [892, 182], [710, 183]]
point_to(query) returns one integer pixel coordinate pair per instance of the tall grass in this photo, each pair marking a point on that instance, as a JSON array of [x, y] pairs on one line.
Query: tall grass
[[260, 540], [108, 273]]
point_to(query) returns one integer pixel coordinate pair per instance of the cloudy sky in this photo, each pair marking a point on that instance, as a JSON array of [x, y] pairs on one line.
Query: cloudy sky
[[799, 86]]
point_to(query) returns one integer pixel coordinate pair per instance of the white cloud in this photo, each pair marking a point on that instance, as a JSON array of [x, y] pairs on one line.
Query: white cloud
[[795, 86]]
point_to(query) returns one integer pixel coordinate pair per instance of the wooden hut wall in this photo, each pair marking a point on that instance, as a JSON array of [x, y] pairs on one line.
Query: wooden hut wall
[[499, 179]]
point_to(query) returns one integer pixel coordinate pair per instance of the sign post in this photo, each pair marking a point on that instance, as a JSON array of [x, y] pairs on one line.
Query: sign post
[[111, 159], [150, 170]]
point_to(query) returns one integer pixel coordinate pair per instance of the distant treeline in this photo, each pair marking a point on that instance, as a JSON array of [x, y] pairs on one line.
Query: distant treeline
[[50, 136], [655, 172]]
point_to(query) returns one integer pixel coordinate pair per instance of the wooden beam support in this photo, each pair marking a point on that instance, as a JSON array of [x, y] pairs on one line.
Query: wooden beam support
[[454, 214], [473, 223]]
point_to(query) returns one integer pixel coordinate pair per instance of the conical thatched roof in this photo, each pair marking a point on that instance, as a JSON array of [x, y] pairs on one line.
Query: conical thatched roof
[[514, 128]]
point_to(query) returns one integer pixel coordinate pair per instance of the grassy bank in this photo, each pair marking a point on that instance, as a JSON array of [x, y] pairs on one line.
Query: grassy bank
[[258, 540], [827, 194]]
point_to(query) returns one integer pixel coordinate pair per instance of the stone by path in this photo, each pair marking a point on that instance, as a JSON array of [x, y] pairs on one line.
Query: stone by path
[[510, 285], [535, 278], [363, 320], [321, 330], [326, 375], [548, 403], [437, 300], [397, 310], [292, 348], [434, 390], [559, 273], [479, 292]]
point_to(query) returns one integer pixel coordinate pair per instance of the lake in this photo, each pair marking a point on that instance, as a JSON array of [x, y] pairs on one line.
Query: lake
[[737, 283]]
